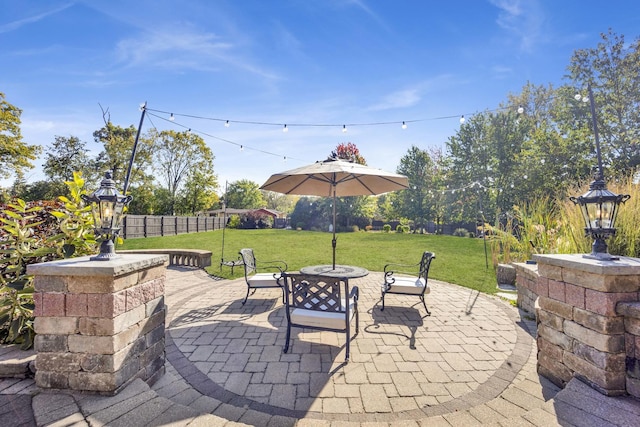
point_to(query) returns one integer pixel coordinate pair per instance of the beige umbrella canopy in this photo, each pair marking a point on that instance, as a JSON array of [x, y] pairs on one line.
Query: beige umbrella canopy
[[335, 178]]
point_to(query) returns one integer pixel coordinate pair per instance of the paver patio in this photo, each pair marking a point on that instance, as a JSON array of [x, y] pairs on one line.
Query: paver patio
[[472, 362]]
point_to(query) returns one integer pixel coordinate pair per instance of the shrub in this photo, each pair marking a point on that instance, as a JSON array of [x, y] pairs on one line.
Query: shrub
[[386, 228], [461, 232], [355, 228], [233, 221], [368, 228], [30, 234]]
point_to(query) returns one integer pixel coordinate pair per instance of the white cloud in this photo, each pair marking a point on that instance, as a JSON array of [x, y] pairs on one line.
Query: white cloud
[[524, 19], [408, 97], [185, 48], [12, 26]]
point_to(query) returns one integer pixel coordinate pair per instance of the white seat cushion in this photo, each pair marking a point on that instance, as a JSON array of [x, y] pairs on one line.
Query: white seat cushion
[[408, 285], [321, 319], [263, 280]]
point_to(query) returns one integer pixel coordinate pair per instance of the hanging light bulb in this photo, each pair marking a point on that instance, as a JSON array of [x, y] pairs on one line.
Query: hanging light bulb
[[404, 125], [227, 124], [462, 119], [284, 159], [344, 128], [171, 117], [520, 109], [241, 147], [285, 129]]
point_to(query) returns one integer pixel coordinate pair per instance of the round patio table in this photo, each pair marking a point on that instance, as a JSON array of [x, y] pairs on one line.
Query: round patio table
[[348, 271]]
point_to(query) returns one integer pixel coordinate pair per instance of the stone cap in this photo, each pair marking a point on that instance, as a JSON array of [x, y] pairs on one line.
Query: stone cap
[[83, 266], [622, 267]]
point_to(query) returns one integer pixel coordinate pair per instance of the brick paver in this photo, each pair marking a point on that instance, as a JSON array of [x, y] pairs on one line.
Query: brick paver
[[473, 362], [402, 361]]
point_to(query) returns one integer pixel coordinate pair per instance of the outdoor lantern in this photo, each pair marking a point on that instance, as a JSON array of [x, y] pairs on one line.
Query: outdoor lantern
[[107, 206], [599, 208]]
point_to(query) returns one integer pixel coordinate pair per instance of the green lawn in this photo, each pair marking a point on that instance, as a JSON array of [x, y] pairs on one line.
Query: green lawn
[[458, 260]]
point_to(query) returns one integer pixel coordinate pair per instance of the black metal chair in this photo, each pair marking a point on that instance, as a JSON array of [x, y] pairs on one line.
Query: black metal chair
[[256, 279], [408, 279], [320, 302]]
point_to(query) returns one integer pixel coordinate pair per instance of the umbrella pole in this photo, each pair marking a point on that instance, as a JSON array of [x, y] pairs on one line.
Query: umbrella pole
[[333, 241]]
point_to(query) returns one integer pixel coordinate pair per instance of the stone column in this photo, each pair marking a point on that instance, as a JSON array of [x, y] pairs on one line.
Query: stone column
[[99, 324], [579, 331]]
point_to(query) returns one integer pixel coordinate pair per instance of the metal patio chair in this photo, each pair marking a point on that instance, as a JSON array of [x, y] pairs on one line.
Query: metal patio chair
[[320, 302], [408, 279], [254, 275]]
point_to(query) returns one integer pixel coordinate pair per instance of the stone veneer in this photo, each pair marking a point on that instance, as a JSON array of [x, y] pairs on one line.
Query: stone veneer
[[582, 308], [99, 324]]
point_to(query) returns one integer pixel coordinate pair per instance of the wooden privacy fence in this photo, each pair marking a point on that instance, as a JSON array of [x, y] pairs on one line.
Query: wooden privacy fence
[[149, 226]]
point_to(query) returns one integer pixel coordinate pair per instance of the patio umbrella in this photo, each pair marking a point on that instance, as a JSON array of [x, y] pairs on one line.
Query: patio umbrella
[[335, 178]]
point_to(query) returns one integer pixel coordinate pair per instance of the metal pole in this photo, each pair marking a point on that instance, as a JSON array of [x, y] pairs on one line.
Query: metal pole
[[133, 152], [484, 234], [592, 102], [333, 241], [224, 225]]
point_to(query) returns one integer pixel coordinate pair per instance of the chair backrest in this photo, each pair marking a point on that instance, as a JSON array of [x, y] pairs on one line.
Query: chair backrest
[[249, 260], [316, 292], [425, 263]]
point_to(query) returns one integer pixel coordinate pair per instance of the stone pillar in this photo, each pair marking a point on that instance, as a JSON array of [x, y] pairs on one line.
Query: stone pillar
[[579, 331], [99, 324]]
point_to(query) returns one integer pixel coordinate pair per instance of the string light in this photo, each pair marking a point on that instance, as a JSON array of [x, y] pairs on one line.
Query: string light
[[285, 129], [172, 118], [227, 123], [240, 146]]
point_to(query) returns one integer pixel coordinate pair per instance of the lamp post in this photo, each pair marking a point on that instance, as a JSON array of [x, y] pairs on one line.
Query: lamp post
[[107, 206], [599, 206]]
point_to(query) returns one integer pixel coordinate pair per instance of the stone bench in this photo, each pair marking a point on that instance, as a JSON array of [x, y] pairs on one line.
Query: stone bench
[[185, 257]]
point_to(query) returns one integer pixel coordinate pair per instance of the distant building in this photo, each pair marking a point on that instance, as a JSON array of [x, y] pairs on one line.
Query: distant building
[[230, 211]]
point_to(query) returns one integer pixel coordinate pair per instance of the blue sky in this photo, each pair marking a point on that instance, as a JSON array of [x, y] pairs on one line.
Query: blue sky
[[294, 62]]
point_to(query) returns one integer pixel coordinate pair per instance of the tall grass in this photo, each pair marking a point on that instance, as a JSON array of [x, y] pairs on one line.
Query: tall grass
[[552, 226]]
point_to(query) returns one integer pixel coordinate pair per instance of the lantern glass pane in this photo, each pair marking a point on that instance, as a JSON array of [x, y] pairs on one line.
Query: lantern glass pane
[[107, 208], [607, 214], [593, 215]]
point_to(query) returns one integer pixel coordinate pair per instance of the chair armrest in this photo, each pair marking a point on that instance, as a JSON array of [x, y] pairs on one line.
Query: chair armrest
[[355, 293], [272, 265]]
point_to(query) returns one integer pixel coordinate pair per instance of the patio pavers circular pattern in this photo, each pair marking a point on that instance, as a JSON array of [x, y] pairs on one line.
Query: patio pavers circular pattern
[[403, 364]]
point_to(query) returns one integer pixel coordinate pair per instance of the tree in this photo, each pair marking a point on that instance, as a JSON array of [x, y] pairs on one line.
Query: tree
[[116, 155], [199, 192], [15, 154], [279, 202], [178, 157], [415, 201], [611, 68], [244, 194], [348, 151], [66, 156]]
